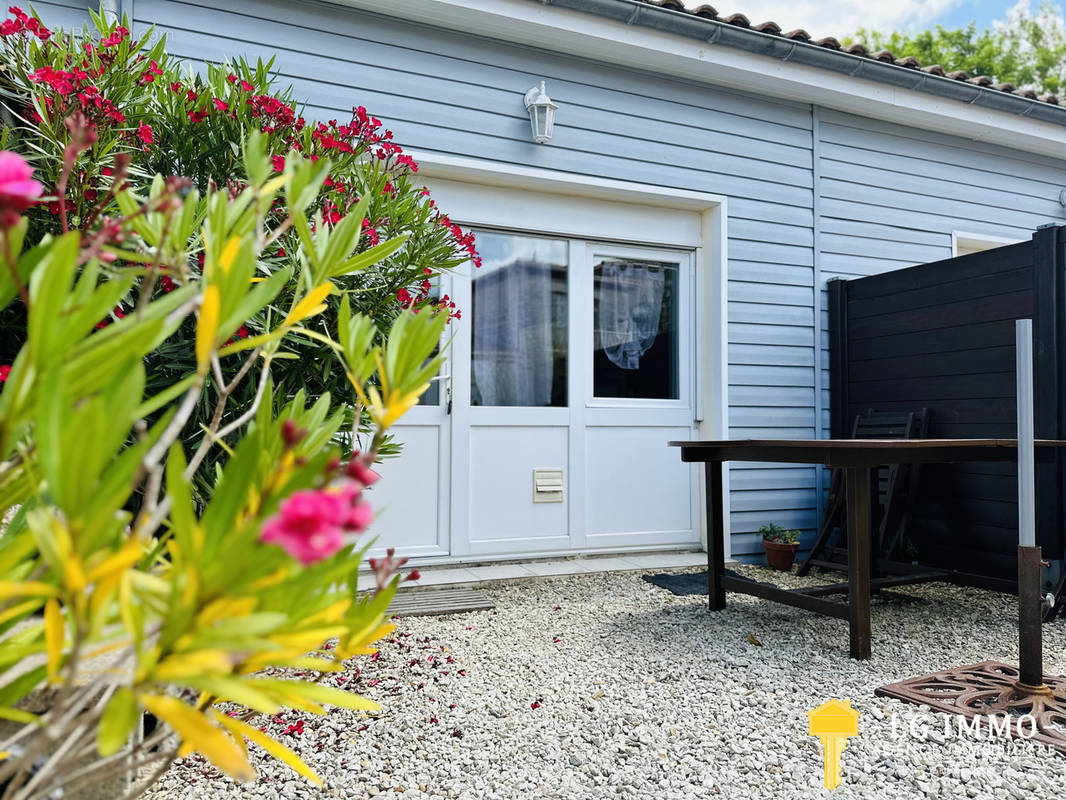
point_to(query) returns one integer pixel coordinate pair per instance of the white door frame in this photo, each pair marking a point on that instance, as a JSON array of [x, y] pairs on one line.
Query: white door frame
[[461, 185]]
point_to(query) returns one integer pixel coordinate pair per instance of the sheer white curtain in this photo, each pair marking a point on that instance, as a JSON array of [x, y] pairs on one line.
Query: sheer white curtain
[[512, 360], [630, 303]]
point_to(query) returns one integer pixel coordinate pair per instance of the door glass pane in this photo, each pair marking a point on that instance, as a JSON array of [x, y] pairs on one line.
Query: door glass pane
[[431, 397], [635, 318], [519, 315]]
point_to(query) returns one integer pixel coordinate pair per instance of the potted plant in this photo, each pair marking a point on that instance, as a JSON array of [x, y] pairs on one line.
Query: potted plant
[[780, 546]]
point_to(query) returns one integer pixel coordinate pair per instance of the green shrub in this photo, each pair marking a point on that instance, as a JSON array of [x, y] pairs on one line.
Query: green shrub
[[152, 115]]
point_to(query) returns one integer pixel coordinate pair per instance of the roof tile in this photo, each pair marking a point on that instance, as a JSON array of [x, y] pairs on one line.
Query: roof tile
[[859, 50]]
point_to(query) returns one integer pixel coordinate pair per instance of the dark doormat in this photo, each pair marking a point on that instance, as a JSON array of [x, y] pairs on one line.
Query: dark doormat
[[437, 602], [689, 583]]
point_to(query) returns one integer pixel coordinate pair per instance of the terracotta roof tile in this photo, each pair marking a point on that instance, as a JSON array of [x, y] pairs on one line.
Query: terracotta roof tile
[[706, 11], [709, 12], [768, 27]]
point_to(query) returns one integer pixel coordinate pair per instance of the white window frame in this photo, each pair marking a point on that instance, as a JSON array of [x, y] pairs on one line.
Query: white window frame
[[486, 193], [969, 243]]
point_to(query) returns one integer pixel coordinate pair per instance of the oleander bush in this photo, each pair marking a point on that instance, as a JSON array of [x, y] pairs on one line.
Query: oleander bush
[[197, 373], [192, 603], [158, 117]]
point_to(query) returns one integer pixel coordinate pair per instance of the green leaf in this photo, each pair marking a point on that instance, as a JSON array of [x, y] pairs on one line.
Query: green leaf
[[117, 723], [370, 257]]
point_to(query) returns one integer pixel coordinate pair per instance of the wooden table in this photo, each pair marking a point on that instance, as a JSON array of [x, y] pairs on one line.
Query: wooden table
[[859, 458]]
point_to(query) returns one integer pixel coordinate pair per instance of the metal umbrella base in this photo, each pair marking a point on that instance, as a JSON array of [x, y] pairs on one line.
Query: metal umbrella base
[[990, 692], [1022, 699]]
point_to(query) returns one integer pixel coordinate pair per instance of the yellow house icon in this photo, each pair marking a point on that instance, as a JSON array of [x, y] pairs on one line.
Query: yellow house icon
[[833, 722]]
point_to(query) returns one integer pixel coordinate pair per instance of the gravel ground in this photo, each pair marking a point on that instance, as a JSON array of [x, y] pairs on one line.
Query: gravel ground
[[598, 686]]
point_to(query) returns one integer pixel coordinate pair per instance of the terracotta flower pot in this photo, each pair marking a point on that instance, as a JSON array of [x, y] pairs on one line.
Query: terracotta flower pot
[[780, 555]]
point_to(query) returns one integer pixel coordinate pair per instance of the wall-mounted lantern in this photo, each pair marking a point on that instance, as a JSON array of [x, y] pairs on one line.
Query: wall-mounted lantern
[[541, 113]]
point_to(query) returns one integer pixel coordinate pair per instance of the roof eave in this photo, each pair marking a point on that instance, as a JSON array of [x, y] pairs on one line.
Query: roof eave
[[716, 32]]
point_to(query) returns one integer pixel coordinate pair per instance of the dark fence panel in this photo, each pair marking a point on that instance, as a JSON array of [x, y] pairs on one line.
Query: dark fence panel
[[941, 336]]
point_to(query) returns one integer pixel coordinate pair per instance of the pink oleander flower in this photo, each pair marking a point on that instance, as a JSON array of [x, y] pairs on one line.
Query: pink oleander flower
[[313, 524], [18, 190], [309, 525]]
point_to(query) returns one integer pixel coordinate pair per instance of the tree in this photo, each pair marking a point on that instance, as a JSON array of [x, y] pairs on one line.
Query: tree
[[1027, 50]]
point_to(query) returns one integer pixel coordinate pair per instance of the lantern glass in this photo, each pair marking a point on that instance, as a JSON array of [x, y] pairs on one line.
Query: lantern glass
[[541, 113]]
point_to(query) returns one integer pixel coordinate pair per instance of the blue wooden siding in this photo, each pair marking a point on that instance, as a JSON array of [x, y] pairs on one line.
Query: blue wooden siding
[[64, 14], [886, 196]]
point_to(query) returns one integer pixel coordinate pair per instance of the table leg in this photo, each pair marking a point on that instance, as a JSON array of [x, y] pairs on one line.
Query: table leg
[[716, 533], [861, 485]]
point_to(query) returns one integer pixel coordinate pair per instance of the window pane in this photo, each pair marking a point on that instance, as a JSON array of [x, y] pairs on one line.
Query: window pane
[[635, 339], [519, 316]]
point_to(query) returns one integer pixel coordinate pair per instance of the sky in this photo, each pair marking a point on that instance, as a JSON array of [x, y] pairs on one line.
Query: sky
[[842, 17]]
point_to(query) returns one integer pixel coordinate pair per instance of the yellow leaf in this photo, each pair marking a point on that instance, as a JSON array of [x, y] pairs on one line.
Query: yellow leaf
[[128, 555], [207, 327], [9, 589], [241, 729], [274, 184], [118, 644], [196, 663], [18, 610], [198, 734], [399, 404], [310, 304], [54, 636], [273, 579], [225, 607], [73, 575], [308, 640], [332, 613], [229, 253], [358, 643]]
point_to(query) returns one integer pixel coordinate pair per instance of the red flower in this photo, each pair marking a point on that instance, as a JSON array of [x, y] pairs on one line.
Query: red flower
[[116, 38], [231, 78], [221, 105], [278, 162], [166, 283], [144, 132], [149, 74], [247, 87], [5, 370]]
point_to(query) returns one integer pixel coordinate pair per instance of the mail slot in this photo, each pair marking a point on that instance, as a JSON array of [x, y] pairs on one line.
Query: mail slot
[[547, 486]]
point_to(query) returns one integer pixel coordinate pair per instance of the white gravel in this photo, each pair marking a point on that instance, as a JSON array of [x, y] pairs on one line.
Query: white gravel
[[601, 685]]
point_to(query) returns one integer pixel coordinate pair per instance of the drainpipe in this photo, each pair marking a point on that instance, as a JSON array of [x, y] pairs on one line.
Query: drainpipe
[[111, 10]]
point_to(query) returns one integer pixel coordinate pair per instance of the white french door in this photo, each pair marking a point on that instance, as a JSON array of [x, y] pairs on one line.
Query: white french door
[[575, 362], [572, 367]]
